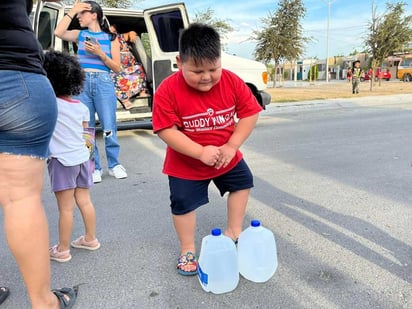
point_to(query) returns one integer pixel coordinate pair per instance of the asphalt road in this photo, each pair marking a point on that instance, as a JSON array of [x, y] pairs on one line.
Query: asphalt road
[[333, 182]]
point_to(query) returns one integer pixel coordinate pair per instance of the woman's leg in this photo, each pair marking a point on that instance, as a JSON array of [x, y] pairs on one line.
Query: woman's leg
[[65, 200], [106, 104], [87, 211], [25, 222]]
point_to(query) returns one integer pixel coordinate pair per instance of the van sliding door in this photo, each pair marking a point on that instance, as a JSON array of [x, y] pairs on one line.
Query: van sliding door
[[45, 21], [164, 24]]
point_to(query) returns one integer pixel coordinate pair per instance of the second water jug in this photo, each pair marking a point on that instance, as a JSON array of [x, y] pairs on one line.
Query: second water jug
[[257, 253]]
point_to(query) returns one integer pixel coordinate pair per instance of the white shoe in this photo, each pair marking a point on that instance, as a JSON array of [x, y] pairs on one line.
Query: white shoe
[[97, 176], [118, 172]]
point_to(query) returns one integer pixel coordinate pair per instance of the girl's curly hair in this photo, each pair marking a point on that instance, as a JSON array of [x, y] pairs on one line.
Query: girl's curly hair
[[64, 72]]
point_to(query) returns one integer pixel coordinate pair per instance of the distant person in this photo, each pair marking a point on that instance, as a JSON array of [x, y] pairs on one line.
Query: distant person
[[349, 75], [131, 81], [356, 76], [98, 53], [27, 120], [194, 114], [69, 166]]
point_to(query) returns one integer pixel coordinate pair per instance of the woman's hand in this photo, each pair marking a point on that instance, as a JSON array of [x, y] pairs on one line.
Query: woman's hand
[[132, 37], [78, 7], [93, 48]]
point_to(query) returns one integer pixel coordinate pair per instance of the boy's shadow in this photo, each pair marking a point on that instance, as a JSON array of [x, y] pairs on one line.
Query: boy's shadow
[[401, 251]]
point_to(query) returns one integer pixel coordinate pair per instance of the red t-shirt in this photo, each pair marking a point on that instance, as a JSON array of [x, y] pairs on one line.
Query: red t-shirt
[[205, 117]]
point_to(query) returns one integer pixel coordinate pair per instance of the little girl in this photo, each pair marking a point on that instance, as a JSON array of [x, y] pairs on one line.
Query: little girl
[[69, 165]]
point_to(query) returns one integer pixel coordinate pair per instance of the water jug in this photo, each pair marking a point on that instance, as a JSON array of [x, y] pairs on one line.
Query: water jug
[[257, 253], [218, 270]]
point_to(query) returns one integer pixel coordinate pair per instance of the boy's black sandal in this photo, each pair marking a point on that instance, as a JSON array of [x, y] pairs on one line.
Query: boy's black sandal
[[4, 293], [67, 296]]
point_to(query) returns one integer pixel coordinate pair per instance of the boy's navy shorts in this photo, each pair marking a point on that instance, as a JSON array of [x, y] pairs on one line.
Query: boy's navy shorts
[[187, 195]]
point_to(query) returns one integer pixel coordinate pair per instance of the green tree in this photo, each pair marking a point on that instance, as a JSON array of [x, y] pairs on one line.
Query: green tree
[[116, 3], [282, 38], [107, 3], [222, 26], [388, 33]]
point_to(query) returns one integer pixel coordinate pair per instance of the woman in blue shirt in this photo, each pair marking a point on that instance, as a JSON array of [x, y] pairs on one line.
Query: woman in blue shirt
[[98, 53]]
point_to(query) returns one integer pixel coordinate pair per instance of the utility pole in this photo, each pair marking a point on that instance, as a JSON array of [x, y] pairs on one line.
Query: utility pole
[[329, 3]]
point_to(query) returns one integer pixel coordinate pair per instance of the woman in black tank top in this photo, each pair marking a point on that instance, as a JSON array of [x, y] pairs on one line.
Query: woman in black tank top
[[28, 114]]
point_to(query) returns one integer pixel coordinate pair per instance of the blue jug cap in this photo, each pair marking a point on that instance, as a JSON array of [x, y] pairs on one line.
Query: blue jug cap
[[255, 223], [216, 232]]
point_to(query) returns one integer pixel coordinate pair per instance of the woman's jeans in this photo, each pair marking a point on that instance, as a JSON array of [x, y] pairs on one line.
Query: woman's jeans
[[99, 96], [28, 113]]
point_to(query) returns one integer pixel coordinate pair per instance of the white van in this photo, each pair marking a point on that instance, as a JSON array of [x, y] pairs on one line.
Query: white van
[[161, 26]]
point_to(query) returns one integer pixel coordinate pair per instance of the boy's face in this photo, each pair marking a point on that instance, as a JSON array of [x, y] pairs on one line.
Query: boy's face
[[201, 77]]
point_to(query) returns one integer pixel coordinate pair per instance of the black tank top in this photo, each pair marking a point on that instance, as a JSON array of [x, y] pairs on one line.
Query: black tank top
[[19, 48]]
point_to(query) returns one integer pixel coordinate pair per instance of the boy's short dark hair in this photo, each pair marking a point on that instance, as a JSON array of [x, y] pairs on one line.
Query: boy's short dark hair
[[64, 72], [200, 43]]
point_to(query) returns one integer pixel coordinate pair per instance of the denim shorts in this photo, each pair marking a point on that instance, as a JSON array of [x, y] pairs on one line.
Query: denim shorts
[[69, 177], [28, 113], [187, 195]]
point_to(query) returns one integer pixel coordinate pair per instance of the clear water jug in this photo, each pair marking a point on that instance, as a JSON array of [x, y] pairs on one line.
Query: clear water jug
[[218, 270], [257, 253]]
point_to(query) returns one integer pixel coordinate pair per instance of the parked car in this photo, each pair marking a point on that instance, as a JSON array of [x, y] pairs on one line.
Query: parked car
[[382, 74]]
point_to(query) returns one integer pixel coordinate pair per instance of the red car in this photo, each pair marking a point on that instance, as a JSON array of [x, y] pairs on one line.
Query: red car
[[382, 74]]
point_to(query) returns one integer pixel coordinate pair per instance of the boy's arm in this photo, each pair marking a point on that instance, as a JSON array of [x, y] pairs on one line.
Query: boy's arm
[[179, 142], [242, 131]]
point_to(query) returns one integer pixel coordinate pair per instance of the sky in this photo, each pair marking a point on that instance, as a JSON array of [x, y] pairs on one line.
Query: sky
[[348, 22]]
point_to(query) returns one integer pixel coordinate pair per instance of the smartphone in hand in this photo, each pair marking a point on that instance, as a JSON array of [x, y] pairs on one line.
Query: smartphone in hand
[[91, 40]]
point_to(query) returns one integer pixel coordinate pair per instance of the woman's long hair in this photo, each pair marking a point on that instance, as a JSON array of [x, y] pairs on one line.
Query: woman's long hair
[[104, 25]]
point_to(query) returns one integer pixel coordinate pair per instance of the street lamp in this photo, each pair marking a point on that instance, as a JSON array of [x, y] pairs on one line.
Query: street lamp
[[329, 3]]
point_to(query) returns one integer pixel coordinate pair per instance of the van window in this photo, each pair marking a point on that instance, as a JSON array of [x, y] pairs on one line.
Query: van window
[[47, 23], [167, 27], [407, 62]]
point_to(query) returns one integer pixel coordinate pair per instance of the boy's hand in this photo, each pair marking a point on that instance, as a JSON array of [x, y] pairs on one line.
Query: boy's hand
[[227, 154], [210, 155]]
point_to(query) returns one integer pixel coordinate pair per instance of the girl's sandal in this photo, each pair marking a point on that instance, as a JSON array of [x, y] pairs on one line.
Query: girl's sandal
[[4, 293], [187, 259], [66, 296]]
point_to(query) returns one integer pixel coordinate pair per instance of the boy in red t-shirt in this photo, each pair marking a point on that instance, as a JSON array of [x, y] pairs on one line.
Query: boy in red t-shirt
[[194, 114]]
